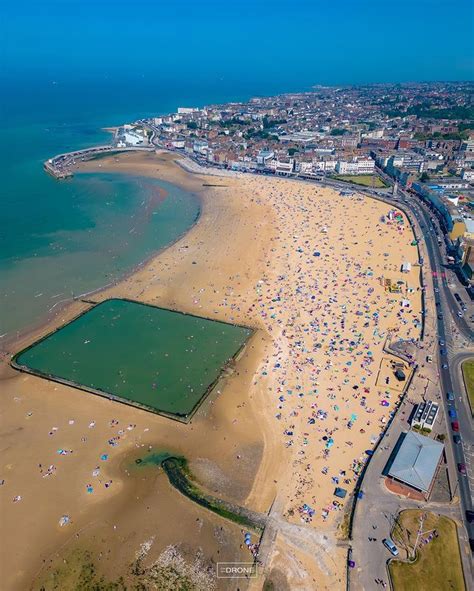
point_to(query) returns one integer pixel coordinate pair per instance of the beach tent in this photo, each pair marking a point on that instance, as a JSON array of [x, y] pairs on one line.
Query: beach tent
[[340, 492]]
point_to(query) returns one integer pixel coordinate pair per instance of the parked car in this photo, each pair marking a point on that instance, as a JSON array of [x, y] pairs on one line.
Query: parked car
[[443, 352], [455, 426], [470, 516], [462, 469], [457, 439], [450, 396], [445, 366], [442, 343], [452, 413], [388, 543]]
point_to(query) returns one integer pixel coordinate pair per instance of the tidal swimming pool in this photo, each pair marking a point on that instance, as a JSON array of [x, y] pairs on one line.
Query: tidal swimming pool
[[157, 359]]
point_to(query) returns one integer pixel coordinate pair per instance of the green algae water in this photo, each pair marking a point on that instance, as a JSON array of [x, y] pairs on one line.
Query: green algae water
[[157, 359], [154, 459]]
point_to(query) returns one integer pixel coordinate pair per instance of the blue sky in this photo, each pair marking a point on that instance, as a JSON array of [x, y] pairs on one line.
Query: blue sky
[[297, 42]]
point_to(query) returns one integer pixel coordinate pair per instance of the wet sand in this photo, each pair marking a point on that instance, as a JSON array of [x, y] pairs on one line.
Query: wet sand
[[306, 267]]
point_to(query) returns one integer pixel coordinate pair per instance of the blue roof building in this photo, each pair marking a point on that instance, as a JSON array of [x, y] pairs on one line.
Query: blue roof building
[[416, 461]]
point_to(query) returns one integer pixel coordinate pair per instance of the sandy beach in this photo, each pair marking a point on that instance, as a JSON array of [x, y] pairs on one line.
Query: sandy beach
[[306, 267]]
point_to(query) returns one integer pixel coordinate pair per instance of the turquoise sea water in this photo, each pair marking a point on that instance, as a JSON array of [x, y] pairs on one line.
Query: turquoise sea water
[[59, 238]]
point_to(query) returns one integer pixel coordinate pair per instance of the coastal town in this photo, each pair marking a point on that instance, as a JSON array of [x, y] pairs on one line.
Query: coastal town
[[237, 296], [358, 204], [421, 136]]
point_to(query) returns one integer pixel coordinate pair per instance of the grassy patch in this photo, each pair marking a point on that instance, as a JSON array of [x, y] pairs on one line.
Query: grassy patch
[[468, 374], [437, 564], [365, 180]]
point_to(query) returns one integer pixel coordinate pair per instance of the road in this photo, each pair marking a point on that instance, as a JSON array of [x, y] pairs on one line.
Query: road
[[377, 511], [456, 454], [418, 210], [445, 302], [450, 376], [379, 508], [449, 329], [440, 273], [464, 415]]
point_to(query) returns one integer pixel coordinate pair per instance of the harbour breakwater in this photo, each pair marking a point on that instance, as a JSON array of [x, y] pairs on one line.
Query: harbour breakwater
[[180, 477], [61, 166]]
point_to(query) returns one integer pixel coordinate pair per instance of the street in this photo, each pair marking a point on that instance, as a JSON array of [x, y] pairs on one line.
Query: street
[[449, 338], [379, 508]]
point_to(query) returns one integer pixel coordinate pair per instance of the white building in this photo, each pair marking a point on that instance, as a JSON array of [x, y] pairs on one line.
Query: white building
[[324, 165], [468, 145], [425, 415], [375, 134], [200, 147], [360, 166], [306, 167], [467, 175], [132, 138], [283, 165], [453, 183], [265, 156]]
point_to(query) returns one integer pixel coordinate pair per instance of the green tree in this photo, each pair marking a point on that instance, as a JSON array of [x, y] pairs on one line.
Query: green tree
[[338, 131], [424, 177]]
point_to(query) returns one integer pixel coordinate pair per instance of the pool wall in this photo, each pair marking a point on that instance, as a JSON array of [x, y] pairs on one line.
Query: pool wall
[[180, 417]]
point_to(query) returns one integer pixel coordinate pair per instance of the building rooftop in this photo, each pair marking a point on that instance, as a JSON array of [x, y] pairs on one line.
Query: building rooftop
[[469, 225], [416, 461]]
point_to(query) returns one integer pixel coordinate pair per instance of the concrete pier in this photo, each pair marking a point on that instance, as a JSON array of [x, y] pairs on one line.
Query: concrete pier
[[60, 167]]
